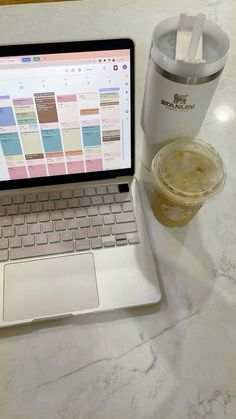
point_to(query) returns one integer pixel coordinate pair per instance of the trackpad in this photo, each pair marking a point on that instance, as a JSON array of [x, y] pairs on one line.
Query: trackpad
[[48, 287]]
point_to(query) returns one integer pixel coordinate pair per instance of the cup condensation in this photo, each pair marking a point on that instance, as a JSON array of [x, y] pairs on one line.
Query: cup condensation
[[185, 174]]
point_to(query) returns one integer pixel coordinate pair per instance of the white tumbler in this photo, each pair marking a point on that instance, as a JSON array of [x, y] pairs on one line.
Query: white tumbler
[[178, 93]]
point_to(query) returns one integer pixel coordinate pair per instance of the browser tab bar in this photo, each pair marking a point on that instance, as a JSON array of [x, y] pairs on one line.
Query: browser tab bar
[[9, 60]]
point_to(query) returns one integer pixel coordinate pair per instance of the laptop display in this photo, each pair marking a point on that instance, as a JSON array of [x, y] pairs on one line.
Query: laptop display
[[66, 114]]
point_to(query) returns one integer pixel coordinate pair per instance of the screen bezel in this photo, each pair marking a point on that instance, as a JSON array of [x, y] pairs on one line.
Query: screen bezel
[[75, 46]]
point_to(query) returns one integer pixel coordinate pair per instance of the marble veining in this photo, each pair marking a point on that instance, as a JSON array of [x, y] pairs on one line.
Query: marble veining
[[207, 407], [122, 358]]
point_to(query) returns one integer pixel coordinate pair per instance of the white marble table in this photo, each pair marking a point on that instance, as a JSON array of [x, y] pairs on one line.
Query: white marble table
[[174, 361]]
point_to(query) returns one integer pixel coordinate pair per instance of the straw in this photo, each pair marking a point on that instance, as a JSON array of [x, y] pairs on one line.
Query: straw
[[196, 35]]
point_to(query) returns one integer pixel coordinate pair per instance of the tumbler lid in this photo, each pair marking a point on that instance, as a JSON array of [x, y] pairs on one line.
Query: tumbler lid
[[211, 31]]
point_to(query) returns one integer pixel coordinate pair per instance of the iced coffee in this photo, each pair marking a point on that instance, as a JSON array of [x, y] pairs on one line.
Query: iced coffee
[[185, 174]]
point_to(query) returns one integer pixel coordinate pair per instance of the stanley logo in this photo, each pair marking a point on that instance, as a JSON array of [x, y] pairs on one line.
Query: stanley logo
[[178, 104]]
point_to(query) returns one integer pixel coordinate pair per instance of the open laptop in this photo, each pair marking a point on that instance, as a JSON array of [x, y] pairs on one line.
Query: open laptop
[[73, 238]]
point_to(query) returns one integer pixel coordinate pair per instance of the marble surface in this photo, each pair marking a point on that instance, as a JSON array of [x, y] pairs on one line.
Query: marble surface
[[174, 361]]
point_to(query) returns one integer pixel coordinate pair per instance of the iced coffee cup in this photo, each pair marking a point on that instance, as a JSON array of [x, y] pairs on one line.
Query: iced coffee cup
[[185, 174]]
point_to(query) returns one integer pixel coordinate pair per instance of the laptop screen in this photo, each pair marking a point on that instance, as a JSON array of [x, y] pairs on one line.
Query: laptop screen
[[66, 112]]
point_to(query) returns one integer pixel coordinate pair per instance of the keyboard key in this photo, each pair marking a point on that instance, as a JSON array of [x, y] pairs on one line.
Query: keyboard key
[[112, 188], [30, 197], [101, 190], [116, 208], [68, 213], [21, 230], [18, 199], [3, 255], [9, 231], [31, 218], [42, 250], [61, 204], [28, 240], [6, 200], [108, 199], [12, 210], [92, 211], [80, 233], [104, 231], [73, 203], [90, 191], [96, 221], [97, 200], [82, 244], [5, 221], [92, 232], [124, 228], [96, 243], [41, 238], [67, 235], [15, 241], [123, 187], [18, 219], [121, 237], [121, 242], [54, 195], [24, 208], [125, 217], [78, 193], [134, 240], [60, 225], [3, 244], [54, 237], [80, 212], [71, 224], [43, 217], [2, 211], [56, 215], [84, 222], [109, 219], [47, 227], [66, 194], [85, 202], [37, 207], [34, 228], [104, 209], [42, 196], [109, 243], [49, 206], [122, 197], [127, 206]]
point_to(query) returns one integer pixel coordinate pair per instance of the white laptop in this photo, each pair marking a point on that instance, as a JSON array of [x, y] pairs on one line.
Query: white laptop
[[73, 238]]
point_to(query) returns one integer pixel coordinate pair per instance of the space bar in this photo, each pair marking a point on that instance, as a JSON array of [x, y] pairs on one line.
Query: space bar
[[41, 250]]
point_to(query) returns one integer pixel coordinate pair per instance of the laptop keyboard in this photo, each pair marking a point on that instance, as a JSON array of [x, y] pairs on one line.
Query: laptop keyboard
[[76, 219]]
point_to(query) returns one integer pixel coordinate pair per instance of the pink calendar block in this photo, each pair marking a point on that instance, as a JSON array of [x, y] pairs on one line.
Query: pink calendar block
[[55, 169], [75, 167], [94, 165], [38, 170], [18, 172]]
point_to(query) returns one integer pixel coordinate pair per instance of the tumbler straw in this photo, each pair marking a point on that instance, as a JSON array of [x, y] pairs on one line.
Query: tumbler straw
[[196, 35]]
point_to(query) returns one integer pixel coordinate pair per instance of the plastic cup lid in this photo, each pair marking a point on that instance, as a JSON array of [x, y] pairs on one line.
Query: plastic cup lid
[[188, 171]]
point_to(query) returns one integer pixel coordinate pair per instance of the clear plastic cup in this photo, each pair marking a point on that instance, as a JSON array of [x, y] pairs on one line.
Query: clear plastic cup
[[185, 174]]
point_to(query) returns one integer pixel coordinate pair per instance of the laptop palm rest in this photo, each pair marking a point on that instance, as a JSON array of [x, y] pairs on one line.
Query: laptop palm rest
[[48, 287]]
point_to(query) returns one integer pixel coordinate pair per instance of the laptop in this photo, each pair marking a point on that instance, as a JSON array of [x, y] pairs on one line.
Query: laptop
[[73, 237]]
